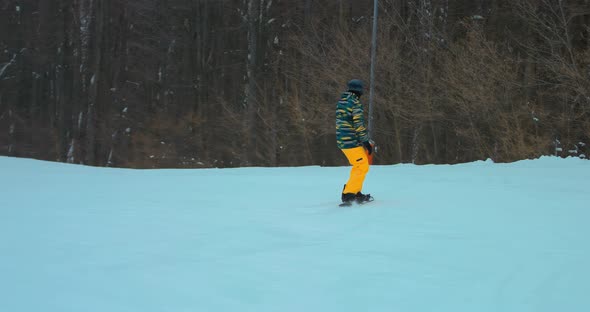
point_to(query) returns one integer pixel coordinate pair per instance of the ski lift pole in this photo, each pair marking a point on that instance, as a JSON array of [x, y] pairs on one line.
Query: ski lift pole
[[372, 78]]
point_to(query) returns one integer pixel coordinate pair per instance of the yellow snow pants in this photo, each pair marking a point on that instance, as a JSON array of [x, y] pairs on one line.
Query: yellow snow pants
[[357, 157]]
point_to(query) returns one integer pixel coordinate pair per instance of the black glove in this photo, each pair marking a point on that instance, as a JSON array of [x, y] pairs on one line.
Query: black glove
[[368, 147]]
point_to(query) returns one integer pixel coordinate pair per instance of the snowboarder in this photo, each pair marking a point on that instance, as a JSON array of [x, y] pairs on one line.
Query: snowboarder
[[352, 139]]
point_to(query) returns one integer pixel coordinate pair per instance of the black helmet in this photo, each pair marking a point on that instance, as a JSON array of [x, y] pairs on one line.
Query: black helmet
[[356, 85]]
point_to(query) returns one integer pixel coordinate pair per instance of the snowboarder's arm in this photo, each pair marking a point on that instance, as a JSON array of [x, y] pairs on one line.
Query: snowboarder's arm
[[359, 122]]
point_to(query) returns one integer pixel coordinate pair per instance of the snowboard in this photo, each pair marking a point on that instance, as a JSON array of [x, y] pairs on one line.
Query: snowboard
[[354, 203]]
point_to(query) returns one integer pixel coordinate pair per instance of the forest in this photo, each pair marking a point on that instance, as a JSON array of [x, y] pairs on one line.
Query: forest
[[230, 83]]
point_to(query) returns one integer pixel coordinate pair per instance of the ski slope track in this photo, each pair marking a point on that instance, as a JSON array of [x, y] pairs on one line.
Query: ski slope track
[[472, 237]]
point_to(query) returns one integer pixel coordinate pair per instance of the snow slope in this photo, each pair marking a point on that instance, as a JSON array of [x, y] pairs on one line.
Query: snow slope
[[474, 237]]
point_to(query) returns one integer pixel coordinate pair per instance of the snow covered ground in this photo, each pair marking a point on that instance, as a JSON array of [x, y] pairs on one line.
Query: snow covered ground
[[474, 237]]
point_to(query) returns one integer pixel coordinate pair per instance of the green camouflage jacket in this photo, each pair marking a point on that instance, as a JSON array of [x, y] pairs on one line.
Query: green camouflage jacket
[[350, 122]]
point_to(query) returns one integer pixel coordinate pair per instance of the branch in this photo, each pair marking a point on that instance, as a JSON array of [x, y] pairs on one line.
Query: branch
[[6, 65]]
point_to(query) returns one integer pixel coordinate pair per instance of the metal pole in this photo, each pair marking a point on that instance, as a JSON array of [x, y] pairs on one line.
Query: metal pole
[[372, 78]]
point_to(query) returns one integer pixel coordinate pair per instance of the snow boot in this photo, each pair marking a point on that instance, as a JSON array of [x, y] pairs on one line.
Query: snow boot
[[363, 198], [347, 197]]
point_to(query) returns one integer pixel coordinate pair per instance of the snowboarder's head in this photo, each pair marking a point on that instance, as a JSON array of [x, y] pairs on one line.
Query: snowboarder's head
[[356, 86]]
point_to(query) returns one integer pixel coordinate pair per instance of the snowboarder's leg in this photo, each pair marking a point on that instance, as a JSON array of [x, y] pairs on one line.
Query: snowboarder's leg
[[360, 166]]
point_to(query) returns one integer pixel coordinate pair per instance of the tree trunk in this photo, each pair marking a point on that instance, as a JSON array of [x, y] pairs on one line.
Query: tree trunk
[[96, 13], [252, 105]]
